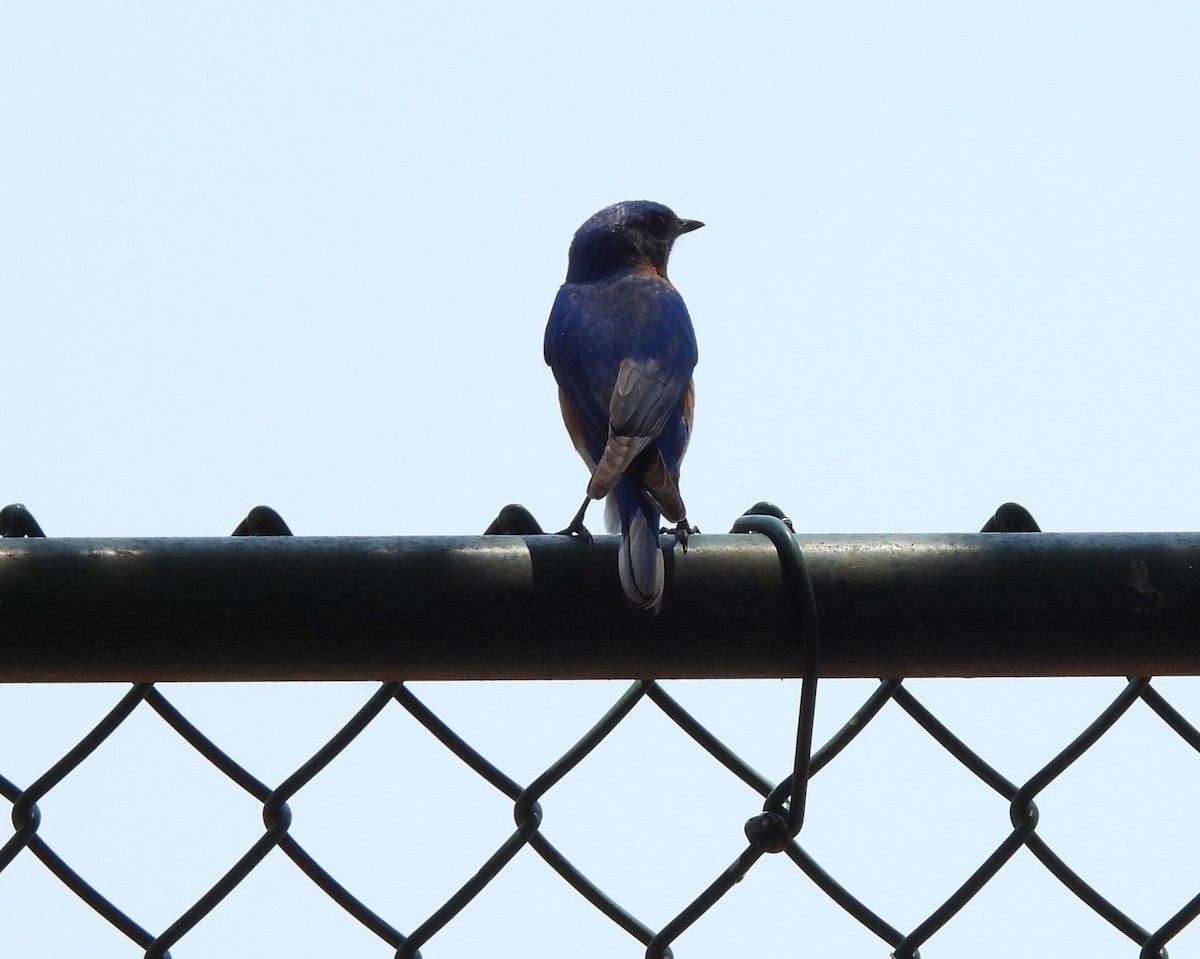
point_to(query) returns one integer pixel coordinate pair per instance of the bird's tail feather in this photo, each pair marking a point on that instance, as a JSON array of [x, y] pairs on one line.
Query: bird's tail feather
[[640, 564]]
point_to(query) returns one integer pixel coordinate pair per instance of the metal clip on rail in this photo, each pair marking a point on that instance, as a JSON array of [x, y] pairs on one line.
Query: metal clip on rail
[[783, 810]]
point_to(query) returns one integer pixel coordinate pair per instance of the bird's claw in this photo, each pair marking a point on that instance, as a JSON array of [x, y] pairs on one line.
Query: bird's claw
[[577, 530], [681, 531]]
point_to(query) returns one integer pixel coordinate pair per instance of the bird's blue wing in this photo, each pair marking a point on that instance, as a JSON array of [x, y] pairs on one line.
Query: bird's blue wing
[[623, 353]]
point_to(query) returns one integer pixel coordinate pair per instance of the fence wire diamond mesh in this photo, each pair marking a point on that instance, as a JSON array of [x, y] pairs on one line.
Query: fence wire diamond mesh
[[774, 833]]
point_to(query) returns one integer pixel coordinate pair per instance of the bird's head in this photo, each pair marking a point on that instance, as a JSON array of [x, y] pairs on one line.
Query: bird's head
[[635, 234]]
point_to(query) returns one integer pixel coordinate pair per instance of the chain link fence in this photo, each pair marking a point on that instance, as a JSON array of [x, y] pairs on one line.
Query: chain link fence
[[774, 834]]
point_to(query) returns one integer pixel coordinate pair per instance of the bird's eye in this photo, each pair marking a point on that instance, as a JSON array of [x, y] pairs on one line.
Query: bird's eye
[[657, 223]]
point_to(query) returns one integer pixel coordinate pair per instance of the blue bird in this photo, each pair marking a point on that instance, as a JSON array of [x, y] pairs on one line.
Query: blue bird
[[622, 349]]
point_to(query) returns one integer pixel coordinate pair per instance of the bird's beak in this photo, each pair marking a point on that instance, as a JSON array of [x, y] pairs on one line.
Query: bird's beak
[[686, 226]]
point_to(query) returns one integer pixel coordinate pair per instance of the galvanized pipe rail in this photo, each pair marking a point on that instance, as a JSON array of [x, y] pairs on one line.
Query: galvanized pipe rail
[[548, 607]]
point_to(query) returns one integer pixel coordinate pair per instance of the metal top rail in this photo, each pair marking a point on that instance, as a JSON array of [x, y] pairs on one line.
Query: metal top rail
[[550, 607]]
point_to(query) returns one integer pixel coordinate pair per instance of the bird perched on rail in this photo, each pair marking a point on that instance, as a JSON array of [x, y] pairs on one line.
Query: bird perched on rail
[[622, 348]]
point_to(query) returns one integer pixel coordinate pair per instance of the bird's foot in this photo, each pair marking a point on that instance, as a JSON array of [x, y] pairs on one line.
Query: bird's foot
[[578, 530], [575, 527], [681, 531]]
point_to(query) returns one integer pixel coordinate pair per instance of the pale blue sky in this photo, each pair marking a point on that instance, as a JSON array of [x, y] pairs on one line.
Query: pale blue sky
[[302, 255]]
